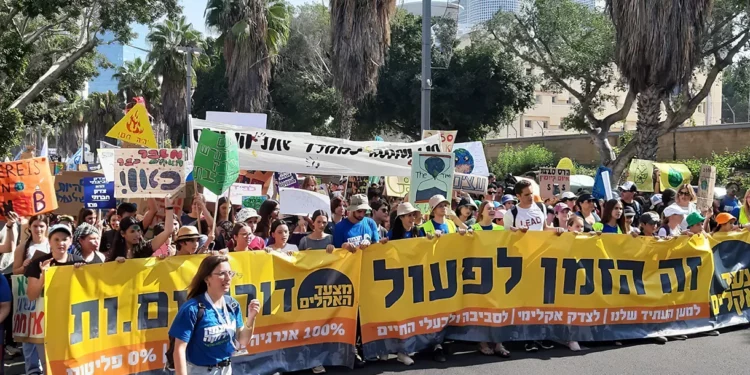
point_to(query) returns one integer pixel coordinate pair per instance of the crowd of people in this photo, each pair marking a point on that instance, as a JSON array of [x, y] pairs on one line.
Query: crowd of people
[[33, 245]]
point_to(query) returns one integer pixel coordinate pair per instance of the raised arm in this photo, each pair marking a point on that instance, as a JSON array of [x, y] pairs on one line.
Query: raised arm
[[163, 237]]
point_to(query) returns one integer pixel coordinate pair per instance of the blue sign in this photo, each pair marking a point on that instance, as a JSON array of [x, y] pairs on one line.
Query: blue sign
[[98, 193]]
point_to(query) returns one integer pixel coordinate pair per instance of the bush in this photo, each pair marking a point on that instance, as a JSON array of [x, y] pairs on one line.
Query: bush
[[517, 161]]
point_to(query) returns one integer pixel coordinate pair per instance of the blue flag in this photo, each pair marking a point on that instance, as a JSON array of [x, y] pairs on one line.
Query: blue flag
[[599, 190]]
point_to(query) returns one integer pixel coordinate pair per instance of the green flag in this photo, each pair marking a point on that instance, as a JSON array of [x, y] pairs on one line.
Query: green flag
[[217, 161]]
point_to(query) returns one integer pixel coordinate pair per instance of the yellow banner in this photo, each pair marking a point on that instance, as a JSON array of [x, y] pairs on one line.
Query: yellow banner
[[114, 318], [499, 286], [673, 175]]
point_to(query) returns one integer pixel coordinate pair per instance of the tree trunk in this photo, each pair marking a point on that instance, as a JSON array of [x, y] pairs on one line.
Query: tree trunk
[[345, 114], [174, 108], [248, 64], [649, 116]]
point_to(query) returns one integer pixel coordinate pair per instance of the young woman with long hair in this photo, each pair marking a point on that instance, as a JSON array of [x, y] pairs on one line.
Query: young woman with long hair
[[224, 223], [612, 218], [725, 223], [205, 346], [338, 213], [129, 242], [318, 239], [586, 208], [269, 212], [36, 242], [404, 222], [245, 239], [280, 233], [686, 200], [485, 215]]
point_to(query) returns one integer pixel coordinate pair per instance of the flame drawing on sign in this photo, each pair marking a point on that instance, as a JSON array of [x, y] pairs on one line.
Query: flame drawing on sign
[[133, 125]]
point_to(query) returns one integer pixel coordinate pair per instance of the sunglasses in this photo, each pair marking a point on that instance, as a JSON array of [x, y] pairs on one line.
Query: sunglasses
[[684, 193], [492, 192]]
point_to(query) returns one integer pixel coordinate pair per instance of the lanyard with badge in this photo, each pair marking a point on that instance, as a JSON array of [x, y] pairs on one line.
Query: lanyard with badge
[[225, 320]]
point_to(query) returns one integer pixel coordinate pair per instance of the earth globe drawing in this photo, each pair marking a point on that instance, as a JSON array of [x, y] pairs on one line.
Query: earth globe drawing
[[433, 166], [674, 177], [463, 160]]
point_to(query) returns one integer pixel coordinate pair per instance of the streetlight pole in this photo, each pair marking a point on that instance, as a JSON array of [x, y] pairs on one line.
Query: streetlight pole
[[189, 52], [426, 62]]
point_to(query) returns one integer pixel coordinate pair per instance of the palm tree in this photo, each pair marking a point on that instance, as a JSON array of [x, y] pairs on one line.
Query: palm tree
[[104, 110], [70, 136], [167, 62], [361, 33], [253, 32], [136, 78], [658, 46]]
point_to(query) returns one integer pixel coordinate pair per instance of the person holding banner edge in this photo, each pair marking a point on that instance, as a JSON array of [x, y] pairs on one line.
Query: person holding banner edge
[[129, 241], [221, 323]]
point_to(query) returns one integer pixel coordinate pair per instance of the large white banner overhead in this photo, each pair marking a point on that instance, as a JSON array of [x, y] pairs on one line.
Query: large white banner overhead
[[269, 150]]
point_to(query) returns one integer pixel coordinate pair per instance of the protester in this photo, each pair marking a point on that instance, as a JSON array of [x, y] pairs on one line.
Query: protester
[[575, 225], [725, 223], [6, 299], [404, 225], [628, 227], [439, 222], [338, 212], [686, 201], [730, 203], [357, 231], [125, 210], [89, 216], [550, 220], [199, 216], [36, 243], [742, 213], [508, 201], [224, 223], [674, 215], [484, 218], [649, 224], [310, 184], [280, 233], [204, 346], [269, 212], [86, 237], [244, 237], [187, 240], [129, 242], [569, 199], [612, 217], [60, 239], [695, 223], [527, 215], [668, 196], [562, 214], [374, 194], [465, 212], [586, 209], [318, 239], [381, 213], [627, 195], [499, 215], [657, 204]]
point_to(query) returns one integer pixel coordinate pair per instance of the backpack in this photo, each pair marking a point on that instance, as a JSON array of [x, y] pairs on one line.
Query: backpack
[[514, 212], [198, 317]]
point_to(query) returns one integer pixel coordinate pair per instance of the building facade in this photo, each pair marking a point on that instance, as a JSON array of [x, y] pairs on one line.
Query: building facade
[[117, 54], [475, 12]]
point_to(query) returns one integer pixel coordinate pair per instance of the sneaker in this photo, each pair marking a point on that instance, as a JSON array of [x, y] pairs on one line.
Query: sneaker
[[546, 344], [405, 359], [358, 362], [531, 346], [383, 357], [319, 370], [12, 351], [712, 333], [438, 355], [660, 340], [573, 345], [680, 337]]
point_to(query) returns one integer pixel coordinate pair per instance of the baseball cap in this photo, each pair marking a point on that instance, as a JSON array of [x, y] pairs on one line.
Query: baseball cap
[[724, 218], [585, 197], [436, 200], [674, 209], [560, 207], [467, 202], [628, 211], [649, 218], [358, 202], [508, 198], [629, 186], [59, 228], [694, 218], [550, 209], [656, 200], [567, 196]]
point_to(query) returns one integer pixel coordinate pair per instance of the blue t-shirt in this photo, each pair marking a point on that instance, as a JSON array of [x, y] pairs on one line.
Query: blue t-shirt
[[4, 291], [729, 204], [346, 231], [406, 235], [444, 228], [208, 342], [610, 229]]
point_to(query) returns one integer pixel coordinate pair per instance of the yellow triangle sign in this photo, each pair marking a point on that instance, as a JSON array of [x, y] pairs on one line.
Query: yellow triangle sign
[[135, 128]]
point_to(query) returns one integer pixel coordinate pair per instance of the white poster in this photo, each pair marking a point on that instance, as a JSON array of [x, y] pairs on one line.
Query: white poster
[[302, 202], [250, 120], [278, 151], [107, 161], [470, 159]]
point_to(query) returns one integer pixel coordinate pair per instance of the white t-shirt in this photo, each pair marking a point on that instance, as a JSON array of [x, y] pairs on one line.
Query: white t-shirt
[[689, 210], [532, 218], [672, 232]]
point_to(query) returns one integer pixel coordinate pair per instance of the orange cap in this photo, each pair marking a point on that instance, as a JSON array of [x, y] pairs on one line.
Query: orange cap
[[724, 218]]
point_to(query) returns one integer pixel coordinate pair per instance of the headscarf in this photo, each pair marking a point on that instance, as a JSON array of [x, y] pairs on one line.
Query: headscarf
[[84, 230]]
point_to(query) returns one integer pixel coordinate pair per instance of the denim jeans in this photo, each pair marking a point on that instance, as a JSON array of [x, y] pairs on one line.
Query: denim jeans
[[33, 357]]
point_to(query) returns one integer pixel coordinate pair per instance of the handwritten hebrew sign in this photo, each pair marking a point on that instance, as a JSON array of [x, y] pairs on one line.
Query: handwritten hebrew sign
[[70, 192], [217, 161], [554, 181], [148, 173]]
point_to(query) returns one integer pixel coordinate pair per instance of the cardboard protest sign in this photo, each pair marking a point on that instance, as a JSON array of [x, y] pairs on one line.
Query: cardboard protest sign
[[98, 193], [397, 186], [357, 185], [470, 183], [148, 173], [642, 173], [470, 158], [287, 180], [262, 178], [70, 192], [553, 182], [236, 193], [107, 161], [447, 138], [135, 128], [431, 174], [253, 202], [302, 202], [27, 187], [28, 316], [216, 164], [706, 184], [672, 175]]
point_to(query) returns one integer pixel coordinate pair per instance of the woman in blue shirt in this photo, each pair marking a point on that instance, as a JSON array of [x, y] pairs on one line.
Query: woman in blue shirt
[[612, 217], [403, 225], [205, 346]]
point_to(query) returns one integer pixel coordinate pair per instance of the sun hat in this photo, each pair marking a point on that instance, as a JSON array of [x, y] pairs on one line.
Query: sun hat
[[245, 214], [724, 218], [508, 198], [436, 200], [694, 218], [405, 208], [358, 202], [188, 232]]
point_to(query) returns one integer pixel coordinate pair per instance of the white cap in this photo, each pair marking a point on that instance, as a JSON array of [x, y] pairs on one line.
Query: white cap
[[568, 195], [629, 186], [674, 209]]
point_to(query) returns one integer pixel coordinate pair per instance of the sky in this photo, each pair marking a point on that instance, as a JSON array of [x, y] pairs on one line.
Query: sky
[[194, 9]]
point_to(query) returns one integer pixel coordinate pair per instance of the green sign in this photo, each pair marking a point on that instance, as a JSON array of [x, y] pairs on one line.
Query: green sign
[[253, 202], [217, 161]]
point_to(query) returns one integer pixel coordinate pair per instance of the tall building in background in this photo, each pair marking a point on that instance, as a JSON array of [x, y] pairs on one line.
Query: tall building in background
[[475, 12], [117, 54]]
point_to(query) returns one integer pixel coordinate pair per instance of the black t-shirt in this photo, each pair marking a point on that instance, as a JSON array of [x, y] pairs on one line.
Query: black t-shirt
[[35, 267], [108, 239], [636, 207]]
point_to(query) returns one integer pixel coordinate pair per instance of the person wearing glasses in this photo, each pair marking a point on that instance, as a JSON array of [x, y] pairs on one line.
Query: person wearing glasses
[[205, 340], [686, 201], [381, 215], [586, 208]]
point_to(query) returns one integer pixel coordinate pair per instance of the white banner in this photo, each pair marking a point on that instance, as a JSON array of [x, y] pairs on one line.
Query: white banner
[[28, 316], [236, 192], [302, 202], [278, 151]]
